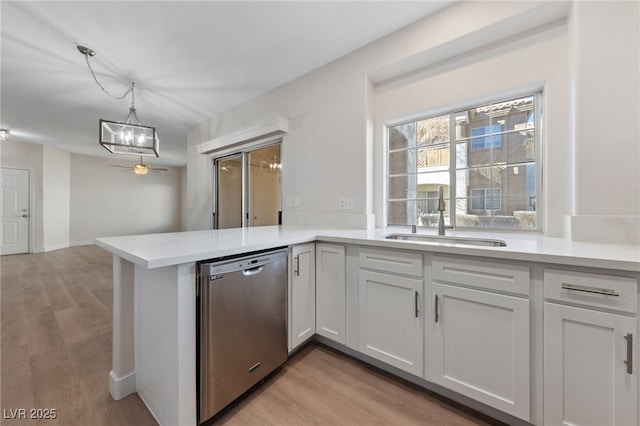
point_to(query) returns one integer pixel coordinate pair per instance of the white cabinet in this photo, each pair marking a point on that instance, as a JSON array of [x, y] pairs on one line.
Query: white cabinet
[[480, 338], [390, 317], [331, 292], [589, 352], [302, 294]]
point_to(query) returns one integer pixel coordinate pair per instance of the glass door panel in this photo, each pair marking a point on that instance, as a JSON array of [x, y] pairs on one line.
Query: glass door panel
[[228, 200], [264, 186]]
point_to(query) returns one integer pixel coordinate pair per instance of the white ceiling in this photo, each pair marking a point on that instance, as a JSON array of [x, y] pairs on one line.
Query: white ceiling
[[189, 60]]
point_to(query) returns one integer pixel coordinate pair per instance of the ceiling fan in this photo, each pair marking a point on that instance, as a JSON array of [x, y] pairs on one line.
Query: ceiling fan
[[141, 168]]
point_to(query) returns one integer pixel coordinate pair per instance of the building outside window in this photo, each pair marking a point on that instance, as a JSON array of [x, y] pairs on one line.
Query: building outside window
[[486, 199], [484, 156]]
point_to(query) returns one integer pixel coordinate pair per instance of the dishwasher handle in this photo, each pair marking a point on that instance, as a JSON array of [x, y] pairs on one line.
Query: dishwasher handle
[[252, 271]]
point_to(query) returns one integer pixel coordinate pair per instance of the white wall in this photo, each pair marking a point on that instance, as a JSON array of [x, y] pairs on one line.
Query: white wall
[[605, 63], [76, 198], [110, 201], [56, 197], [337, 113], [516, 68]]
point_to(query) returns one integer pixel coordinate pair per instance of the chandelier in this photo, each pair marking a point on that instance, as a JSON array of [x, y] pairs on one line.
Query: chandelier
[[129, 136]]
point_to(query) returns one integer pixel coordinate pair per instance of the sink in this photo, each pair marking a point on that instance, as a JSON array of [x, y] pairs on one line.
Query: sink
[[469, 241]]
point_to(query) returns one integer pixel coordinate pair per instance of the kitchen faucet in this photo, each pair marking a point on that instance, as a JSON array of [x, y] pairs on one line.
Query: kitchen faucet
[[441, 207]]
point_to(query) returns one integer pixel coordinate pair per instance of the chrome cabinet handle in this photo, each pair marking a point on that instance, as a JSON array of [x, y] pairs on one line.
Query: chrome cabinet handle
[[297, 270], [629, 360], [436, 309], [586, 289], [416, 304]]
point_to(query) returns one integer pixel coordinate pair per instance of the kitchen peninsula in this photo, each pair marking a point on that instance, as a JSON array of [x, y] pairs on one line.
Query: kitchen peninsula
[[154, 309]]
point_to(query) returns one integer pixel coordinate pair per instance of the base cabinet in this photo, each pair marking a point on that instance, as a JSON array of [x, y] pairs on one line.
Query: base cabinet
[[480, 346], [302, 294], [590, 362], [586, 381], [331, 292]]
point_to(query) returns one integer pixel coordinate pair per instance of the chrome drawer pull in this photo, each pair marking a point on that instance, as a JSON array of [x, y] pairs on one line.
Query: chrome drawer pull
[[586, 289], [629, 361]]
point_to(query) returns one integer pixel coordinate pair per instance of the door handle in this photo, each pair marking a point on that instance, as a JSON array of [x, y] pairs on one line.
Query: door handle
[[417, 311], [25, 215], [252, 271], [437, 316], [629, 360], [297, 269]]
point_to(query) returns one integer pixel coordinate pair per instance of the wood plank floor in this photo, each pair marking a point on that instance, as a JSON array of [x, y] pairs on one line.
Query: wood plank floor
[[55, 348]]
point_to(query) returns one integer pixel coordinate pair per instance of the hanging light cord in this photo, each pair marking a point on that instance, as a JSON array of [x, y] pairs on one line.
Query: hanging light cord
[[88, 52]]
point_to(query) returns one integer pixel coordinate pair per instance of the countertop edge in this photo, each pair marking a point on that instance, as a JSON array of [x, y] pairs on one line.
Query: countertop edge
[[551, 251]]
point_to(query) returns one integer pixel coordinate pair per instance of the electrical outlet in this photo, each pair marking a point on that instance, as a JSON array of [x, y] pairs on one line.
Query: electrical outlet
[[288, 202], [347, 203], [296, 201]]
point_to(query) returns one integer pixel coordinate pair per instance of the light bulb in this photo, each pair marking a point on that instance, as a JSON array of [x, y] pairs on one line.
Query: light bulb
[[141, 140]]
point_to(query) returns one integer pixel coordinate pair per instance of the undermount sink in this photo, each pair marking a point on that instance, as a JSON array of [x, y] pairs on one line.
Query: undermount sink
[[470, 241]]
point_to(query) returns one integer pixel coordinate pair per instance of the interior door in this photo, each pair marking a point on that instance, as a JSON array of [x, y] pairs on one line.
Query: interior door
[[15, 211]]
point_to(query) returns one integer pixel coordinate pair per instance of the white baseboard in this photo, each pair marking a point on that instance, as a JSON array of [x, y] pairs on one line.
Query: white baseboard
[[51, 247], [119, 387], [81, 243]]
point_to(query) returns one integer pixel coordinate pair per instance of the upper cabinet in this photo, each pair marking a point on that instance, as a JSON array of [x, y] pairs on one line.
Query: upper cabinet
[[331, 292]]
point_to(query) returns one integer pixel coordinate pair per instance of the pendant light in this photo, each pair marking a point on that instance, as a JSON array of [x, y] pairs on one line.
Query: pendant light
[[129, 136]]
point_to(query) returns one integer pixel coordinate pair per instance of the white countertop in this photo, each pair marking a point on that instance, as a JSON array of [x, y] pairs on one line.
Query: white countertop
[[158, 250]]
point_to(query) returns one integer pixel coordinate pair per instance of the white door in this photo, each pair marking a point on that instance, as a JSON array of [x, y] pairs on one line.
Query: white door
[[331, 292], [390, 320], [302, 294], [15, 211], [587, 376], [480, 346]]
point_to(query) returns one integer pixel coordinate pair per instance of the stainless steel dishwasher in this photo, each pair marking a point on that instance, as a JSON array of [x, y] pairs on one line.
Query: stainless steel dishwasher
[[242, 325]]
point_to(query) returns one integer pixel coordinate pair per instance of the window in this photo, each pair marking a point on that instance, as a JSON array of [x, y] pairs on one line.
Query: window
[[486, 199], [482, 142], [485, 157]]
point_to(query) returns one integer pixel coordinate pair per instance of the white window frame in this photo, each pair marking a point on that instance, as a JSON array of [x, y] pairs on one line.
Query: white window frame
[[451, 169]]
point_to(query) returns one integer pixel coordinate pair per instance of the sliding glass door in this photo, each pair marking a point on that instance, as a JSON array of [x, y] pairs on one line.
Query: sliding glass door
[[247, 188]]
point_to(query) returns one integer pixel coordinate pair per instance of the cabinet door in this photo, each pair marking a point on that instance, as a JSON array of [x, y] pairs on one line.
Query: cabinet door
[[302, 295], [586, 381], [390, 320], [480, 346], [331, 292]]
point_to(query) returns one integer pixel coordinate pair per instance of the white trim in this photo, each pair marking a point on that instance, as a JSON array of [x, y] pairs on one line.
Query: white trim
[[81, 243], [59, 246], [119, 387], [273, 127]]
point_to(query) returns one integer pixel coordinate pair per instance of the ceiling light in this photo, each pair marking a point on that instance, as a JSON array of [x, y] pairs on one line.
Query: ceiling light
[[140, 169], [124, 137], [4, 134]]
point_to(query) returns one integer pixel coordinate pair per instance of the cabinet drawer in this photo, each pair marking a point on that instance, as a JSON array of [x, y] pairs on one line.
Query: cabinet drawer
[[597, 290], [397, 262], [477, 273]]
